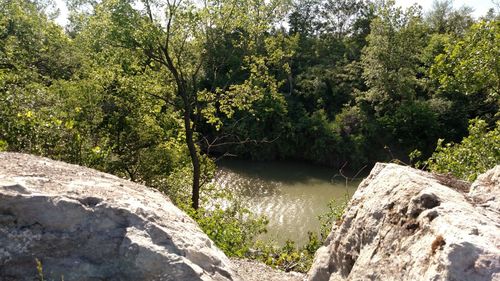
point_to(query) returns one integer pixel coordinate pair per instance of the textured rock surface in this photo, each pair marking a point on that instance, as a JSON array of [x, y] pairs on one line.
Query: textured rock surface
[[405, 224], [256, 271], [87, 225]]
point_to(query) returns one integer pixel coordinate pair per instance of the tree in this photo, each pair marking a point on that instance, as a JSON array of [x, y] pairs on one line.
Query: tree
[[177, 43], [303, 17], [468, 72], [338, 16], [400, 115], [34, 54], [443, 18], [391, 58]]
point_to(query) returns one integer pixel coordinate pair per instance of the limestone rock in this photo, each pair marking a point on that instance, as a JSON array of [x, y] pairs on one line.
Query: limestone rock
[[256, 271], [405, 224], [86, 225]]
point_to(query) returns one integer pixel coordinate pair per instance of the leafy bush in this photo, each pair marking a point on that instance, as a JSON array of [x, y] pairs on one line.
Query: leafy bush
[[227, 221], [476, 153], [288, 257], [233, 229], [413, 125], [336, 210], [3, 145]]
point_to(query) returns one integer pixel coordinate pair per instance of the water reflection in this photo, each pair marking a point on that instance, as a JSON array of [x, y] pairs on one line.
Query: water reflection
[[292, 195]]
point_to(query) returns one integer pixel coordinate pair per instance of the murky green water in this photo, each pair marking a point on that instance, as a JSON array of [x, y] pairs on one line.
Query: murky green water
[[291, 194]]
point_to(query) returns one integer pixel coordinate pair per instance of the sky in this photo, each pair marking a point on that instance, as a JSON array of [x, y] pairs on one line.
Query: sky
[[480, 7]]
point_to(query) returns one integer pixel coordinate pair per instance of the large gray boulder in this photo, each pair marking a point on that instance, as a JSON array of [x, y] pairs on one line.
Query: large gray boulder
[[405, 224], [82, 224]]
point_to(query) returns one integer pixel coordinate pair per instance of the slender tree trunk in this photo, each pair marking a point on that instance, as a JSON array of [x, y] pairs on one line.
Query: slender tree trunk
[[195, 160], [182, 91]]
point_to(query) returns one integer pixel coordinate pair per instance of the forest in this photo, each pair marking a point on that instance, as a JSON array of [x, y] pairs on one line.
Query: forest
[[157, 91]]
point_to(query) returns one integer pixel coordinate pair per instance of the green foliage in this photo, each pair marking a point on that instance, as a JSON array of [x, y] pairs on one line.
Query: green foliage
[[390, 60], [228, 222], [287, 257], [3, 145], [414, 125], [463, 80], [442, 18], [34, 56], [467, 74], [469, 66], [333, 216], [474, 155]]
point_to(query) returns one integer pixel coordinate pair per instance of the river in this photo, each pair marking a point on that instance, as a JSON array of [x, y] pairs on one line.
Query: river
[[291, 194]]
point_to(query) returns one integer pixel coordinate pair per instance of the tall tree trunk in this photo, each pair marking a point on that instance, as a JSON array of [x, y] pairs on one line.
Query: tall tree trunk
[[182, 91], [195, 194]]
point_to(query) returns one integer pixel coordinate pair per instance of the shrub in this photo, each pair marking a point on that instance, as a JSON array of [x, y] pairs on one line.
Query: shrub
[[336, 210], [288, 257], [228, 222], [474, 155]]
